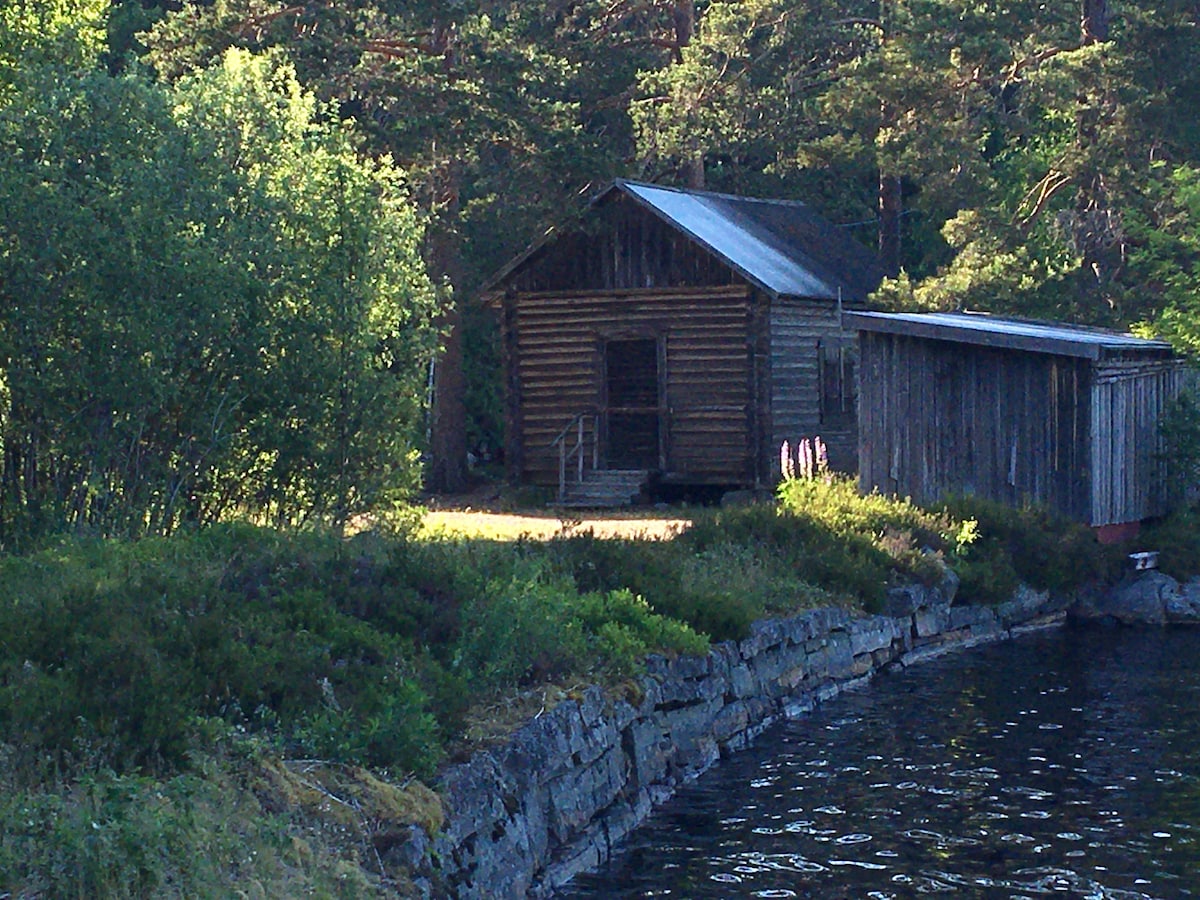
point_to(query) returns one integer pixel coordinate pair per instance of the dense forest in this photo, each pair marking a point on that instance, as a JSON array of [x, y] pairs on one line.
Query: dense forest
[[236, 231]]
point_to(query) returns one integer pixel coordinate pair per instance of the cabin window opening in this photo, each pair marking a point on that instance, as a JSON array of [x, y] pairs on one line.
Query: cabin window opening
[[836, 383]]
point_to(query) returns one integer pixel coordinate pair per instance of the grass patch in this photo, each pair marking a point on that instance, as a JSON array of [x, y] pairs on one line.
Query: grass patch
[[167, 703]]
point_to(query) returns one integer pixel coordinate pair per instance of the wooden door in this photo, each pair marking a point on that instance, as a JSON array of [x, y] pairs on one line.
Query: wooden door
[[633, 432]]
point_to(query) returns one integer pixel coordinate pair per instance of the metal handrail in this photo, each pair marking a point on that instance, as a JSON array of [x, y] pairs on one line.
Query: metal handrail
[[576, 451]]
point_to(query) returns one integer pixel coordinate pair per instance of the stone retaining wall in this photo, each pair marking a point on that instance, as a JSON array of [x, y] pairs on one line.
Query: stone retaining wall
[[525, 818]]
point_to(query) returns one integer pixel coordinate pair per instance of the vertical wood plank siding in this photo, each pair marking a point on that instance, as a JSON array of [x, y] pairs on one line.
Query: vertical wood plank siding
[[939, 418], [798, 329], [1128, 399], [557, 341]]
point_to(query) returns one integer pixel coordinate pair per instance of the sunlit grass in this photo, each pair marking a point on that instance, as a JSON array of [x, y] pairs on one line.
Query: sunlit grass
[[649, 525]]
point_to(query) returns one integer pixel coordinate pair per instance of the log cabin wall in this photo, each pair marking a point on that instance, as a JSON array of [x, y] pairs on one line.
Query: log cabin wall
[[938, 417], [730, 348], [557, 343], [813, 384]]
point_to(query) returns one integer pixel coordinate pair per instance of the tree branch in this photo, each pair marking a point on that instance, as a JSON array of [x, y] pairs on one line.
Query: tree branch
[[256, 24], [1051, 184]]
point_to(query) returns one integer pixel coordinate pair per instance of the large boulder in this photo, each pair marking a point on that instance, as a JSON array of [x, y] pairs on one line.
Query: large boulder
[[1146, 598], [1184, 607]]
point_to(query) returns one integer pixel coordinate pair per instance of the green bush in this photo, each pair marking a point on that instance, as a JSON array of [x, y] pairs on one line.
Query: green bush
[[390, 727], [521, 630], [1177, 540], [623, 629], [1027, 544], [197, 835], [842, 562], [119, 660]]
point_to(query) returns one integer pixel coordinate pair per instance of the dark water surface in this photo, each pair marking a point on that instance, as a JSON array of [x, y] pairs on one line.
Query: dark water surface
[[1065, 763]]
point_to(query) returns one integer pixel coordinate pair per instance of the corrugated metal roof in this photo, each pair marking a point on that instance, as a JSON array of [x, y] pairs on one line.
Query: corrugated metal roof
[[1018, 334], [780, 245]]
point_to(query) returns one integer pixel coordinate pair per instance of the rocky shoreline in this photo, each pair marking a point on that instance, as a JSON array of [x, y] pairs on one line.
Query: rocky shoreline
[[524, 818]]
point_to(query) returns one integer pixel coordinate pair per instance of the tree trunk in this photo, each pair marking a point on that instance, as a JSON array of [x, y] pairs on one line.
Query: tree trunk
[[891, 200], [1094, 21], [684, 15], [1093, 225], [447, 471], [891, 204], [448, 417]]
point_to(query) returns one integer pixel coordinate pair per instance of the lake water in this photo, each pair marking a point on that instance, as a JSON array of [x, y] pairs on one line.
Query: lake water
[[1064, 762]]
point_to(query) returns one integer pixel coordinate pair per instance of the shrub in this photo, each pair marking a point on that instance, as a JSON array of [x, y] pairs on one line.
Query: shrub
[[118, 660], [623, 629], [1177, 540], [839, 561], [220, 831], [520, 630], [1030, 545], [389, 727]]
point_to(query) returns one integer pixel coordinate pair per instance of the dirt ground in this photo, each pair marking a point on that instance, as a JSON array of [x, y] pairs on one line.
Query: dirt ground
[[492, 511]]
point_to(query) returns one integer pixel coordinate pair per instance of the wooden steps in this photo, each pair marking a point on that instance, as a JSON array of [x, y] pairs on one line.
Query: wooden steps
[[604, 488]]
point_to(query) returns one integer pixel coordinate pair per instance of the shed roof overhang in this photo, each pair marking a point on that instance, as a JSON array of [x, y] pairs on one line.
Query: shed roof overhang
[[985, 330]]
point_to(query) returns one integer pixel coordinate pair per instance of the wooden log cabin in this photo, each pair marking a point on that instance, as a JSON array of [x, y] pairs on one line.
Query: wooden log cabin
[[1016, 411], [679, 336]]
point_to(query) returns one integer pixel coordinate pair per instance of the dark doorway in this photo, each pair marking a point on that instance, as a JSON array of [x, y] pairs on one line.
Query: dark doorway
[[632, 387]]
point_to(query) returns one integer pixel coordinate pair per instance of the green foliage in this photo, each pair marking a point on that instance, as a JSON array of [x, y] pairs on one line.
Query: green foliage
[[122, 654], [207, 834], [390, 726], [124, 666], [727, 586], [520, 630], [535, 626], [68, 33], [132, 655], [210, 305], [860, 543], [625, 630], [869, 541], [1176, 537], [1029, 545], [1180, 430]]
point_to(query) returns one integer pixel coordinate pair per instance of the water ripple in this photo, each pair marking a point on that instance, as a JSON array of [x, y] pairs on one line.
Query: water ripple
[[1058, 764]]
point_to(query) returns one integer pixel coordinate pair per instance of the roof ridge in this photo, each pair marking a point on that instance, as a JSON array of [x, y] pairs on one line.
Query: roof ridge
[[697, 192]]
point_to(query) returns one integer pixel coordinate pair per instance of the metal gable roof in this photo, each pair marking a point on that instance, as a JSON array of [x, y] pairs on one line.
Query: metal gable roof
[[781, 246], [997, 331], [741, 241]]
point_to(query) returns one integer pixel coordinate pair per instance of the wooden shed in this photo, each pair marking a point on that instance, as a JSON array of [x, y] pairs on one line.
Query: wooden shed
[[679, 336], [1016, 411]]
